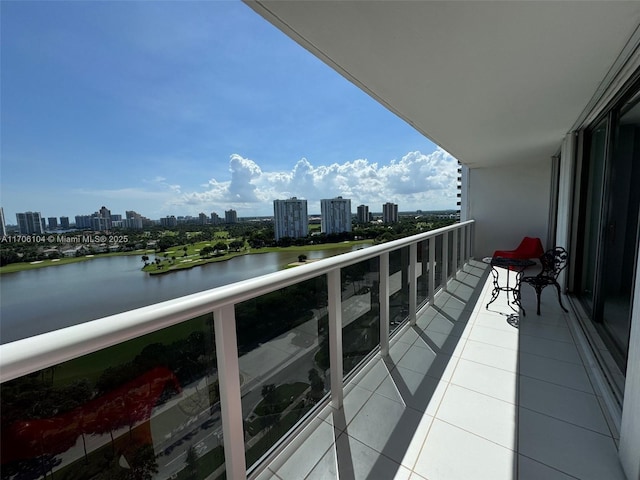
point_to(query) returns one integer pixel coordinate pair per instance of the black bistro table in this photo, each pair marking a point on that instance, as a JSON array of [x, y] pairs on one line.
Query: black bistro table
[[514, 264]]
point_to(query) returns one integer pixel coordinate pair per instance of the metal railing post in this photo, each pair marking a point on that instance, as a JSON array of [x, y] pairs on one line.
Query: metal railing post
[[432, 268], [413, 282], [471, 242], [445, 260], [456, 251], [463, 246], [230, 398], [334, 308], [384, 303]]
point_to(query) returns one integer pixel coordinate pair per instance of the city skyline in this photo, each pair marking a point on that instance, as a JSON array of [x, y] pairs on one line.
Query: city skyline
[[134, 219], [98, 107]]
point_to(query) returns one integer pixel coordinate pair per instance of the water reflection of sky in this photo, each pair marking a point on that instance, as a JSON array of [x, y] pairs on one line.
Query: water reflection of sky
[[41, 300]]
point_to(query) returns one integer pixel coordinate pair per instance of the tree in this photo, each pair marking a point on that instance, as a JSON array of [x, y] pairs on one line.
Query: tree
[[185, 251], [302, 258], [145, 259], [8, 255], [237, 245], [207, 251], [271, 414], [191, 464], [317, 386], [220, 246], [143, 464], [164, 243]]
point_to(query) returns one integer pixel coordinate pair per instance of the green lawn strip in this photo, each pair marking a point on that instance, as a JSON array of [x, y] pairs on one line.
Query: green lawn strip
[[276, 432], [207, 464], [20, 266], [196, 262], [285, 393], [311, 248], [91, 366], [193, 254]]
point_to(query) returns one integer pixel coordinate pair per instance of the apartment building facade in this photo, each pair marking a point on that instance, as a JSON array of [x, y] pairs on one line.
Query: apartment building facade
[[336, 215], [290, 218]]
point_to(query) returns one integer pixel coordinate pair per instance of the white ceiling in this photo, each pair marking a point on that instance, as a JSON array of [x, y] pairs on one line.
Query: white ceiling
[[491, 82]]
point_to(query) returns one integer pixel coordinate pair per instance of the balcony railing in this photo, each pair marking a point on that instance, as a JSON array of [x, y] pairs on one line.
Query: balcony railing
[[205, 385]]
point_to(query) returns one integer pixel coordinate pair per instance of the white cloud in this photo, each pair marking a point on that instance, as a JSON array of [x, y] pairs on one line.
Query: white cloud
[[415, 181]]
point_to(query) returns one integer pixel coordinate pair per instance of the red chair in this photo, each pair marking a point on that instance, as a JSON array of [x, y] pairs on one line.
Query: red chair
[[530, 247]]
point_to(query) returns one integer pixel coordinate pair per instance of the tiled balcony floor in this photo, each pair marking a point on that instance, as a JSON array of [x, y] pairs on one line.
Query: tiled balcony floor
[[468, 393]]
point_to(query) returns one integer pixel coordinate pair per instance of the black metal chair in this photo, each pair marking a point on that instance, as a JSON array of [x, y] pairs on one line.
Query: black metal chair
[[553, 262]]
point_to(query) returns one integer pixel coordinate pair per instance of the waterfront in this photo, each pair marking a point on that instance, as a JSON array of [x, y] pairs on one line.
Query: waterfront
[[42, 300]]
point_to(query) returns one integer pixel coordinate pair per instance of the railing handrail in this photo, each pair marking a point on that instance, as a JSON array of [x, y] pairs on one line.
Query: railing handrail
[[31, 354]]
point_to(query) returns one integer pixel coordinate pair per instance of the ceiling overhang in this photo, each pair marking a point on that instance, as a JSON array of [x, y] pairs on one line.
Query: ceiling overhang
[[493, 83]]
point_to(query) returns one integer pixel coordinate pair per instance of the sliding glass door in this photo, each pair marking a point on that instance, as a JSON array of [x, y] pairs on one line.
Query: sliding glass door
[[609, 221], [621, 228]]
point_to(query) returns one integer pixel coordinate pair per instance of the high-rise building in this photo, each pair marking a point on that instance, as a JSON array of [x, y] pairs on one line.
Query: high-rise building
[[290, 218], [363, 214], [53, 223], [104, 219], [390, 212], [133, 220], [203, 218], [215, 219], [3, 225], [83, 221], [336, 215], [105, 212], [169, 221], [64, 223], [29, 223], [230, 216], [100, 224], [132, 223]]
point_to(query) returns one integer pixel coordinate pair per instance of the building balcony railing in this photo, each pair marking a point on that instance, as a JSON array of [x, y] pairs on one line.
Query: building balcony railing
[[206, 385]]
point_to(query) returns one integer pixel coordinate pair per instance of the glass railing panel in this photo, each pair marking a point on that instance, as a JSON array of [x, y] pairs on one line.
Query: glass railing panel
[[145, 408], [450, 255], [460, 239], [360, 311], [439, 263], [398, 287], [283, 350], [422, 272]]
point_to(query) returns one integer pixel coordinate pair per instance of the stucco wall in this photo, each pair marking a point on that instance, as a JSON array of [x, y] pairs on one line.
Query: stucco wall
[[509, 203]]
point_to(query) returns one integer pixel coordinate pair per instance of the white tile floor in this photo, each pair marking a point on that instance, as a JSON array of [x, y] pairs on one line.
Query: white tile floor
[[468, 393]]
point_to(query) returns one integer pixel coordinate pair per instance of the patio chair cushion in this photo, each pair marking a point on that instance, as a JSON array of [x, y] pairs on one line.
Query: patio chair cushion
[[530, 247]]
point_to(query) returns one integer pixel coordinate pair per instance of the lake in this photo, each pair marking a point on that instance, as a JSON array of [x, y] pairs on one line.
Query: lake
[[46, 299]]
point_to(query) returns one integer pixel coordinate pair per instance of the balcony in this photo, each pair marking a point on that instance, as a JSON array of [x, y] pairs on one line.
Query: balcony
[[381, 363]]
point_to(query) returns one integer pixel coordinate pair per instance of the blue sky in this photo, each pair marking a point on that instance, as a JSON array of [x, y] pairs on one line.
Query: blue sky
[[177, 108]]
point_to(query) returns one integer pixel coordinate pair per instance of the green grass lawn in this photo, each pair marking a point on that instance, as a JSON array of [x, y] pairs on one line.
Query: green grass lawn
[[183, 259], [191, 257], [91, 366], [276, 432], [20, 266]]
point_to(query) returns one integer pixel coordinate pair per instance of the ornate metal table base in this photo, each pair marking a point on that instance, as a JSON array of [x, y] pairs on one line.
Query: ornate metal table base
[[513, 264]]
